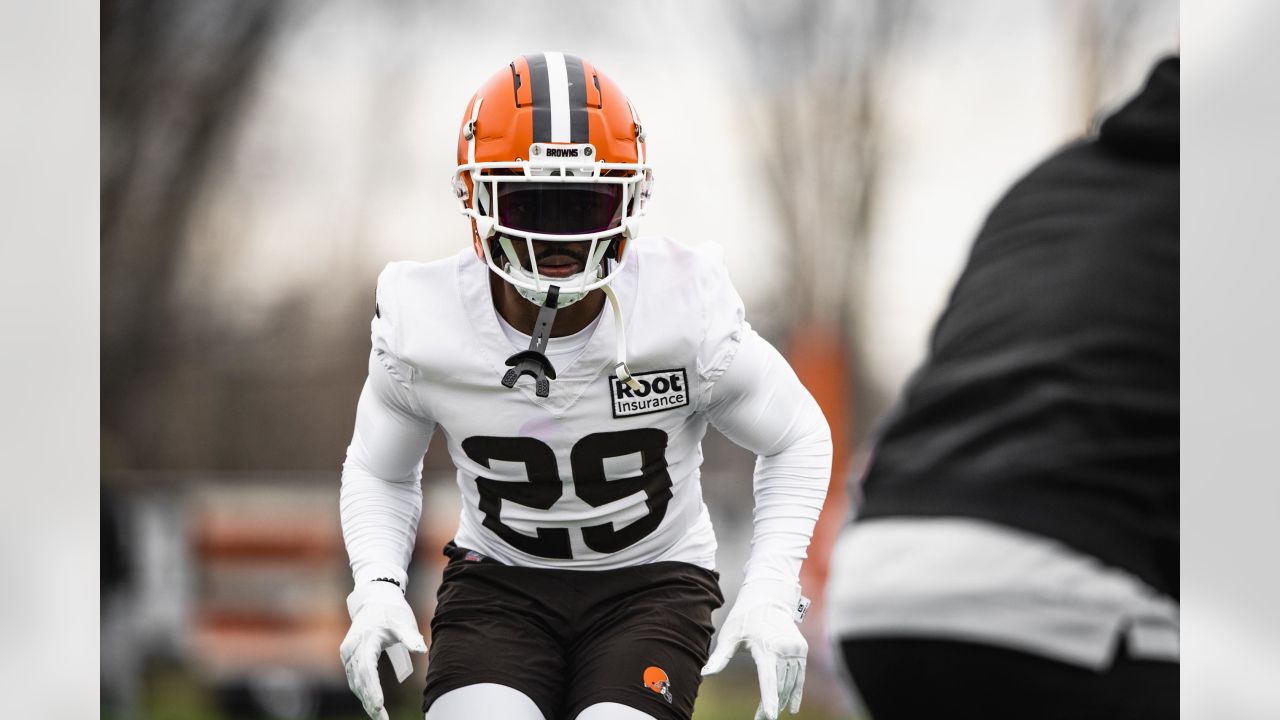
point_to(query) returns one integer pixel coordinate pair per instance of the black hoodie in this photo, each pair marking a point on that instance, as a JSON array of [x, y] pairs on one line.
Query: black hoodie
[[1049, 399]]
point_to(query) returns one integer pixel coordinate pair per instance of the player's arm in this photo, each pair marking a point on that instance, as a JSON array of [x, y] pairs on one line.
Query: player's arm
[[381, 497], [381, 501], [760, 404]]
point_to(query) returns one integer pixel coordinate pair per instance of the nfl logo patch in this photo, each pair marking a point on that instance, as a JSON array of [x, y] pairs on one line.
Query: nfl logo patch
[[472, 556]]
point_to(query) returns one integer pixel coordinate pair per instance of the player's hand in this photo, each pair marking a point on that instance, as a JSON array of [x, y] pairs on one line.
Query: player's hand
[[381, 620], [763, 620]]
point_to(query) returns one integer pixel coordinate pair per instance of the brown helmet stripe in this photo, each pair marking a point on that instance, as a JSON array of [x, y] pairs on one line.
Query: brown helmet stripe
[[541, 92], [577, 76]]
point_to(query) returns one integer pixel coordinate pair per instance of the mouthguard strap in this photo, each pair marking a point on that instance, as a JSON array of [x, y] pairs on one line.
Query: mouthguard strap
[[620, 369]]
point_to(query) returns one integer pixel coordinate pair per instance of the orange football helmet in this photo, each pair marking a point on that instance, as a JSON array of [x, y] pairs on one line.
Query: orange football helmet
[[551, 150], [655, 678]]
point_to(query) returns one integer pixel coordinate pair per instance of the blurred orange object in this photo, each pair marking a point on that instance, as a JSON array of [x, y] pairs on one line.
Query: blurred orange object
[[817, 352]]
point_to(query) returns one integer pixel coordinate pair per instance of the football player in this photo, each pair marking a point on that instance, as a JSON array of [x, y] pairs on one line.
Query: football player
[[582, 578], [1016, 552]]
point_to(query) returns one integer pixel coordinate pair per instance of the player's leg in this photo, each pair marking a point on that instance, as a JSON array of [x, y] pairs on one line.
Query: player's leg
[[484, 700], [490, 629], [610, 711], [642, 642]]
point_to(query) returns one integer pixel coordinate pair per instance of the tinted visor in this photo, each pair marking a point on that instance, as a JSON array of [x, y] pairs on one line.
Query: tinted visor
[[560, 208]]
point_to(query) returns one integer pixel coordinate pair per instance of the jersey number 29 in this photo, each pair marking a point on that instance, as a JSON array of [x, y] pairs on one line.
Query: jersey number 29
[[545, 488]]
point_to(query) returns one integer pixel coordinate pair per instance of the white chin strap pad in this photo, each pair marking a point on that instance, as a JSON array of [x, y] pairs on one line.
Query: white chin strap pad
[[568, 295]]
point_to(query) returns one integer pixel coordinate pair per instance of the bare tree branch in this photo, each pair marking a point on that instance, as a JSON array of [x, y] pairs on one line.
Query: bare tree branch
[[816, 74], [1104, 32], [175, 75]]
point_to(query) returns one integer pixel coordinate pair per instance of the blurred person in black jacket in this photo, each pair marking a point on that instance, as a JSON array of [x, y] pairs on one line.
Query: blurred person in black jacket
[[1016, 552]]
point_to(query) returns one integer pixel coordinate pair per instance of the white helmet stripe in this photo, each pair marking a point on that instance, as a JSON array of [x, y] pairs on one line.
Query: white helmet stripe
[[558, 87]]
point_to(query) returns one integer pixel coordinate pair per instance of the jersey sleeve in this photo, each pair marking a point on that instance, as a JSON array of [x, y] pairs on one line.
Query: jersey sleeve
[[722, 315], [760, 404], [386, 334], [381, 496]]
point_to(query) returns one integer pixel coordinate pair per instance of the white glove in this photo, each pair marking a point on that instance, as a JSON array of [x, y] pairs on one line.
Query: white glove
[[380, 620], [763, 620]]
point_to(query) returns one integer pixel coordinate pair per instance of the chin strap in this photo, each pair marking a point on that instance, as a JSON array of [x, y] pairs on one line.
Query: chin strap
[[621, 370], [534, 362]]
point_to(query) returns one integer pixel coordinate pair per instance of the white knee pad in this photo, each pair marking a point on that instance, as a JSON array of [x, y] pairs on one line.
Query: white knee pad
[[485, 700], [612, 711]]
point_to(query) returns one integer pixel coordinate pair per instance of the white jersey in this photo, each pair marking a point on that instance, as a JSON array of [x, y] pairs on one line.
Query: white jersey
[[596, 475]]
